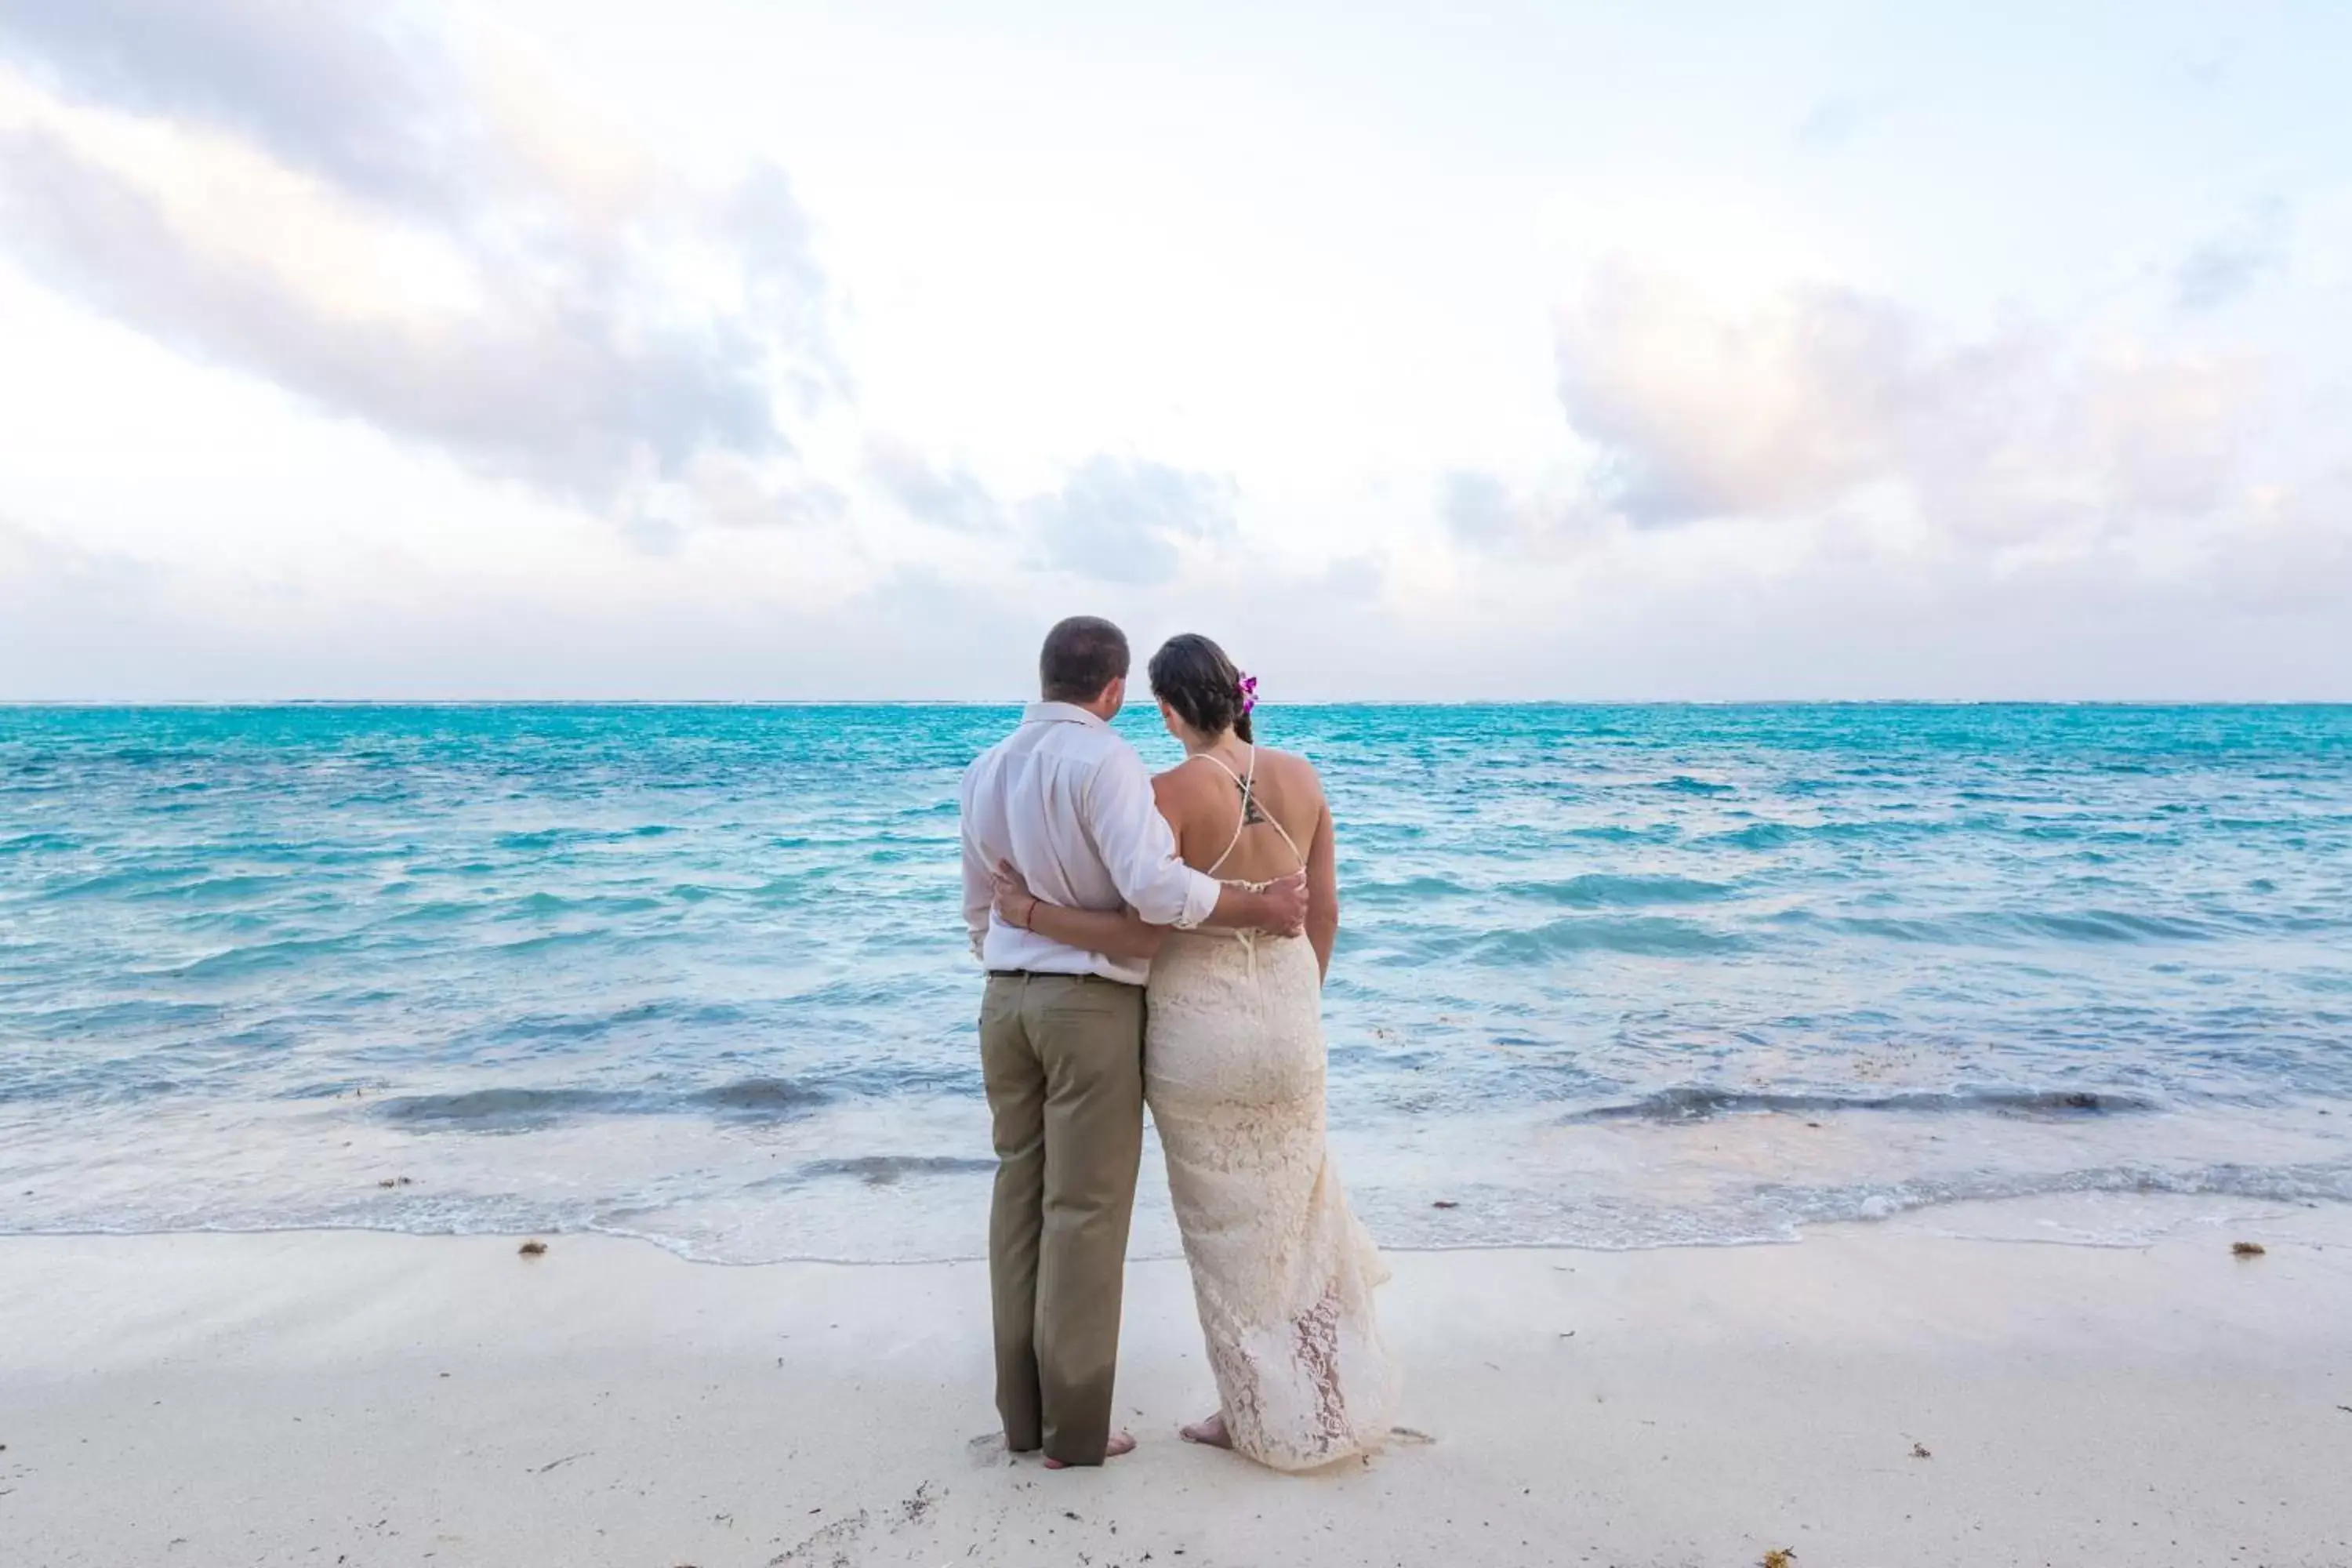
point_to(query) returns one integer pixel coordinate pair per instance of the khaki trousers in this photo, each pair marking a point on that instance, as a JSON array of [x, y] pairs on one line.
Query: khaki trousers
[[1063, 1057]]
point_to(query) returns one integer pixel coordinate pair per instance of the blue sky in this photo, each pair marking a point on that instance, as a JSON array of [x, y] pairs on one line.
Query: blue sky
[[754, 349]]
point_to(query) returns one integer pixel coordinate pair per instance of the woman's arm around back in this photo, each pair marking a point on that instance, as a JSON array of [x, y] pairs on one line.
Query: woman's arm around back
[[1322, 884]]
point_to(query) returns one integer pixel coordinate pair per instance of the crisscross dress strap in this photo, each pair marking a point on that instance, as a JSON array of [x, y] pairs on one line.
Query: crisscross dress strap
[[1249, 793]]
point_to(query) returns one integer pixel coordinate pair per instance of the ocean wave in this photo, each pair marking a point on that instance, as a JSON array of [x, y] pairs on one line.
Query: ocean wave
[[1842, 830], [1651, 936], [2110, 925], [762, 1097], [128, 1017], [243, 885], [1388, 893], [536, 906], [1410, 943], [570, 837], [91, 1084], [38, 843], [521, 1108], [1757, 836], [594, 1026], [1698, 1102], [2298, 1184], [886, 1170], [556, 941], [2009, 927], [124, 881], [288, 952], [1599, 890], [504, 1110], [1781, 1214], [437, 912]]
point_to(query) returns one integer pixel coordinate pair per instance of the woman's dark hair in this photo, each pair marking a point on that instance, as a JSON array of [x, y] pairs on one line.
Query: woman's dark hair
[[1192, 675]]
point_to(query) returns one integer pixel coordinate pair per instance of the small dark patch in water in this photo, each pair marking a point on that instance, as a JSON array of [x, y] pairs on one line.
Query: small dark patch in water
[[489, 1109], [1694, 1103], [762, 1097], [884, 1170]]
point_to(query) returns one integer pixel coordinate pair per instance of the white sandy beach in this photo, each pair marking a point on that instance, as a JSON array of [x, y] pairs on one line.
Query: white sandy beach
[[363, 1399]]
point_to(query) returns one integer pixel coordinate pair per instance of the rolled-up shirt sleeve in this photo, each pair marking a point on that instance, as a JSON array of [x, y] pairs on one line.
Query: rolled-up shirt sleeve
[[1137, 847], [979, 886]]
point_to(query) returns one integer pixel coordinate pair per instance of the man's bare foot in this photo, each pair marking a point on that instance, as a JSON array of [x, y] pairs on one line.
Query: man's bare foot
[[1120, 1443], [1209, 1434]]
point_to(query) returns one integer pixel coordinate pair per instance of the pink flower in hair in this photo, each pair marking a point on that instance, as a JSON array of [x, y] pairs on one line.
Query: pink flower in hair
[[1248, 690]]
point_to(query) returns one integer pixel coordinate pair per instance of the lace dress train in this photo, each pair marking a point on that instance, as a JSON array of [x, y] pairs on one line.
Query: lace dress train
[[1282, 1271]]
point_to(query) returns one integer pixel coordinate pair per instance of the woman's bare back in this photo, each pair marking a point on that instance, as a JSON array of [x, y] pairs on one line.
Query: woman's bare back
[[1264, 794]]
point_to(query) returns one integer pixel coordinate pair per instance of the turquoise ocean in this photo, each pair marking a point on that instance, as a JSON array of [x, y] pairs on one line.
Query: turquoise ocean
[[1607, 976]]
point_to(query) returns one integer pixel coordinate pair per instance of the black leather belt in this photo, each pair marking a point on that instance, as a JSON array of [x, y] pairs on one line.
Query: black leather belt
[[1051, 975]]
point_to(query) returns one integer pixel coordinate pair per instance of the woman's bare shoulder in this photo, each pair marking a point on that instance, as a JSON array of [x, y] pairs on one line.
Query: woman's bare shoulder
[[1182, 779], [1192, 779], [1290, 767]]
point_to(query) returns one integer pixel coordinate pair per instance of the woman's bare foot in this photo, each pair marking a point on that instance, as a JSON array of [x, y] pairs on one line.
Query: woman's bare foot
[[1209, 1434], [1120, 1443]]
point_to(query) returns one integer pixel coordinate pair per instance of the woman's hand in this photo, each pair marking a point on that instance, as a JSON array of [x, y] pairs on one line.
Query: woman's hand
[[1116, 932], [1015, 905]]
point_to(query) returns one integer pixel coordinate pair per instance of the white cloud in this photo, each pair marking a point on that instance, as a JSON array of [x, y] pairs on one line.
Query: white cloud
[[404, 225], [1129, 520], [466, 388], [1816, 397], [945, 495], [2227, 266]]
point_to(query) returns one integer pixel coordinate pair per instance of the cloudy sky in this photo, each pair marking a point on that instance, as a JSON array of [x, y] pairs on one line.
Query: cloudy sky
[[727, 348]]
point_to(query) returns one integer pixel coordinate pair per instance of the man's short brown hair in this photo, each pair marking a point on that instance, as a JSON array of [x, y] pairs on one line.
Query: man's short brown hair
[[1082, 656]]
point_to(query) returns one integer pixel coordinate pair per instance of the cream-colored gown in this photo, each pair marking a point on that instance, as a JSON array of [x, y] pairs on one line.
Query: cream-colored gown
[[1234, 1066]]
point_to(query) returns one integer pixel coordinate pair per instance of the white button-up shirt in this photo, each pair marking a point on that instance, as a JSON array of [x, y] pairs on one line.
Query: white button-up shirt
[[1069, 804]]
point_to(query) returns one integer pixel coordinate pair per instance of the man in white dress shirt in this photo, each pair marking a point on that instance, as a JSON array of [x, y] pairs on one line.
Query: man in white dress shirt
[[1068, 803]]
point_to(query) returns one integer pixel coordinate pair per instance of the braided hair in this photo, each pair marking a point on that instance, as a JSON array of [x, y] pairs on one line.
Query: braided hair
[[1207, 690]]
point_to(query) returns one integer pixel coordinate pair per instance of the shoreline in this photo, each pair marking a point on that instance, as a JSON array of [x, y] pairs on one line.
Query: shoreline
[[297, 1396], [2094, 1219]]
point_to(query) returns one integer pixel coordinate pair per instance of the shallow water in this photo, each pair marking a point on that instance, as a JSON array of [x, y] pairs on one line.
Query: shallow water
[[1609, 976]]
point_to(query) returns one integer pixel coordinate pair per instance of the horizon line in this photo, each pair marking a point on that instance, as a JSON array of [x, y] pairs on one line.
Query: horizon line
[[262, 702]]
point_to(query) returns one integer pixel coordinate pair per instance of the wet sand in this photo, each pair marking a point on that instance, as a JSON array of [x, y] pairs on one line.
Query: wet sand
[[1877, 1394]]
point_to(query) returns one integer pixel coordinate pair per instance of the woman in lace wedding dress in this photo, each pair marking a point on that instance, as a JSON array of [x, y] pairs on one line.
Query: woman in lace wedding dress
[[1233, 1065]]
